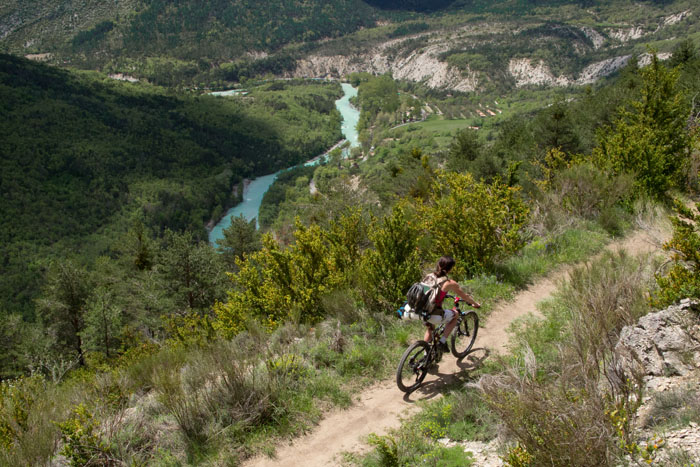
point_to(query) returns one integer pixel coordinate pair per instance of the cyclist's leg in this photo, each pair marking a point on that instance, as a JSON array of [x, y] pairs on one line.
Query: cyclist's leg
[[428, 332], [452, 322]]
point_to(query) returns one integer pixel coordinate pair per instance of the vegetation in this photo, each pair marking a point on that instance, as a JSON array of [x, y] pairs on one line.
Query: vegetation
[[650, 139], [683, 278], [135, 348], [83, 156]]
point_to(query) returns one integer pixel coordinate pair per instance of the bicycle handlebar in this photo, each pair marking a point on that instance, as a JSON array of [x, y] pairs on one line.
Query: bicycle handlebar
[[457, 299]]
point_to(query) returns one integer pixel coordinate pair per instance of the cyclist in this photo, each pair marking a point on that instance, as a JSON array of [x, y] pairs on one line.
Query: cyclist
[[439, 316]]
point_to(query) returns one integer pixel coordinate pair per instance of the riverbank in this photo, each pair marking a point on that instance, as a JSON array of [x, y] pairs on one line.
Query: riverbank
[[253, 193]]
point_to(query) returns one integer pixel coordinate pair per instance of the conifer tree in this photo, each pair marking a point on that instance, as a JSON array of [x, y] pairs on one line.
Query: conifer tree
[[240, 238], [650, 138], [63, 305]]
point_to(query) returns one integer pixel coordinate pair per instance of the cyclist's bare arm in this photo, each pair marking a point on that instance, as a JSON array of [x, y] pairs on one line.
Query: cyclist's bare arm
[[453, 286]]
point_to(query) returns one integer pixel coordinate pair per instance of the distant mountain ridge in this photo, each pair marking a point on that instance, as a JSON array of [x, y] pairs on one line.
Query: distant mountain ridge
[[462, 45]]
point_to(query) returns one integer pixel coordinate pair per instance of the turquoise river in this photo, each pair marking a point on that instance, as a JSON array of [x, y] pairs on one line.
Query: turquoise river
[[254, 191]]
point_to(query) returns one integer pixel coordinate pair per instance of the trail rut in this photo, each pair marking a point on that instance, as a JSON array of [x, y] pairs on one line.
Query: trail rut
[[381, 407]]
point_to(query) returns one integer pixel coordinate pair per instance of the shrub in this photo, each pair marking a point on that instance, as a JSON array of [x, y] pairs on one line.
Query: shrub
[[393, 265], [477, 223], [386, 449], [674, 409], [277, 284], [586, 191], [183, 401], [552, 420], [683, 279], [17, 398], [580, 409], [573, 185], [82, 444]]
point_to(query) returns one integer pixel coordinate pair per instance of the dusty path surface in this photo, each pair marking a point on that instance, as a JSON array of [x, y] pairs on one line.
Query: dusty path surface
[[381, 407]]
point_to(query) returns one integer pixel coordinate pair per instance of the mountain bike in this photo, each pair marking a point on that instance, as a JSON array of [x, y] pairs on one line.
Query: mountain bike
[[420, 356]]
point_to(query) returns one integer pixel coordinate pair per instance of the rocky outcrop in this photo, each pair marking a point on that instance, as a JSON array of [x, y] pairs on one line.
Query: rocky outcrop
[[526, 73], [595, 71], [596, 38], [123, 77], [645, 59], [666, 347], [665, 343], [626, 34], [677, 18], [422, 65], [405, 59]]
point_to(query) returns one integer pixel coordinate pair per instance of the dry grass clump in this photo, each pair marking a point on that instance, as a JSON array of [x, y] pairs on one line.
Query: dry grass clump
[[223, 387], [578, 412]]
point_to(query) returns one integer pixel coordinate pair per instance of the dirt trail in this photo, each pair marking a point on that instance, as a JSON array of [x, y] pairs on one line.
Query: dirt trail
[[381, 407]]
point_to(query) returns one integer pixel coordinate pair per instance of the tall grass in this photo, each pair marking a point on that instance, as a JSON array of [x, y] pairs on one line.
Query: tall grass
[[216, 403], [577, 409]]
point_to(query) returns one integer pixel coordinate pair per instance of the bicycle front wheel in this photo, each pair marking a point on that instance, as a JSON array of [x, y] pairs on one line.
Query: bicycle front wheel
[[464, 334], [413, 367]]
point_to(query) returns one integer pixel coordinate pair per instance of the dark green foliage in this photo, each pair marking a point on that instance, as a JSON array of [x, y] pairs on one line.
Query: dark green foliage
[[377, 94], [79, 152], [95, 34], [409, 28], [192, 272], [240, 238], [276, 194], [64, 304], [684, 52], [417, 5], [103, 322], [465, 149], [224, 29], [276, 64], [650, 138], [554, 128]]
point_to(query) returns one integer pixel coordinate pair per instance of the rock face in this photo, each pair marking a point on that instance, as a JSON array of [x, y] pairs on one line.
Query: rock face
[[421, 57], [665, 343], [422, 65], [626, 35], [526, 73], [596, 38], [597, 70]]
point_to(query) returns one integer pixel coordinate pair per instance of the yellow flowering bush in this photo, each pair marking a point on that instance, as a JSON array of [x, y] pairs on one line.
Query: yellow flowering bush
[[475, 222]]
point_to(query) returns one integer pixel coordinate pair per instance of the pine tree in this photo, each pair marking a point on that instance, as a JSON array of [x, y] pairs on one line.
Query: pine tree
[[240, 238], [650, 139], [63, 305]]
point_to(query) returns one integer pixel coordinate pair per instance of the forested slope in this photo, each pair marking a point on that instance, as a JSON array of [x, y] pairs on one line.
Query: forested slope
[[78, 149]]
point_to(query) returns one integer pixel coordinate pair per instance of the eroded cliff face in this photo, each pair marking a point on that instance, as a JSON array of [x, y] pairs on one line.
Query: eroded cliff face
[[426, 63], [421, 65]]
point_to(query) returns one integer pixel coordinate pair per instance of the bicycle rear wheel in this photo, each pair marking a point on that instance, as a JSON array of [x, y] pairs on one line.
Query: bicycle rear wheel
[[413, 367], [464, 334]]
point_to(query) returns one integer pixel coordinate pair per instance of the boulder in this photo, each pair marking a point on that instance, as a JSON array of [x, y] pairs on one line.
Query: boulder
[[664, 343]]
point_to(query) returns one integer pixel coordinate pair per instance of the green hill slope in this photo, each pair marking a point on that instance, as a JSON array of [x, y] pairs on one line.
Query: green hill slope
[[79, 151]]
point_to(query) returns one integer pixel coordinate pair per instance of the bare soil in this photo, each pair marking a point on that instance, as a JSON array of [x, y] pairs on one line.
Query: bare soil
[[381, 407]]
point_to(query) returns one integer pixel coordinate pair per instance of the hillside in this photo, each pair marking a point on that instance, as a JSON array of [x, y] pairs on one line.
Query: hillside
[[555, 46], [452, 45], [81, 152], [127, 338]]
